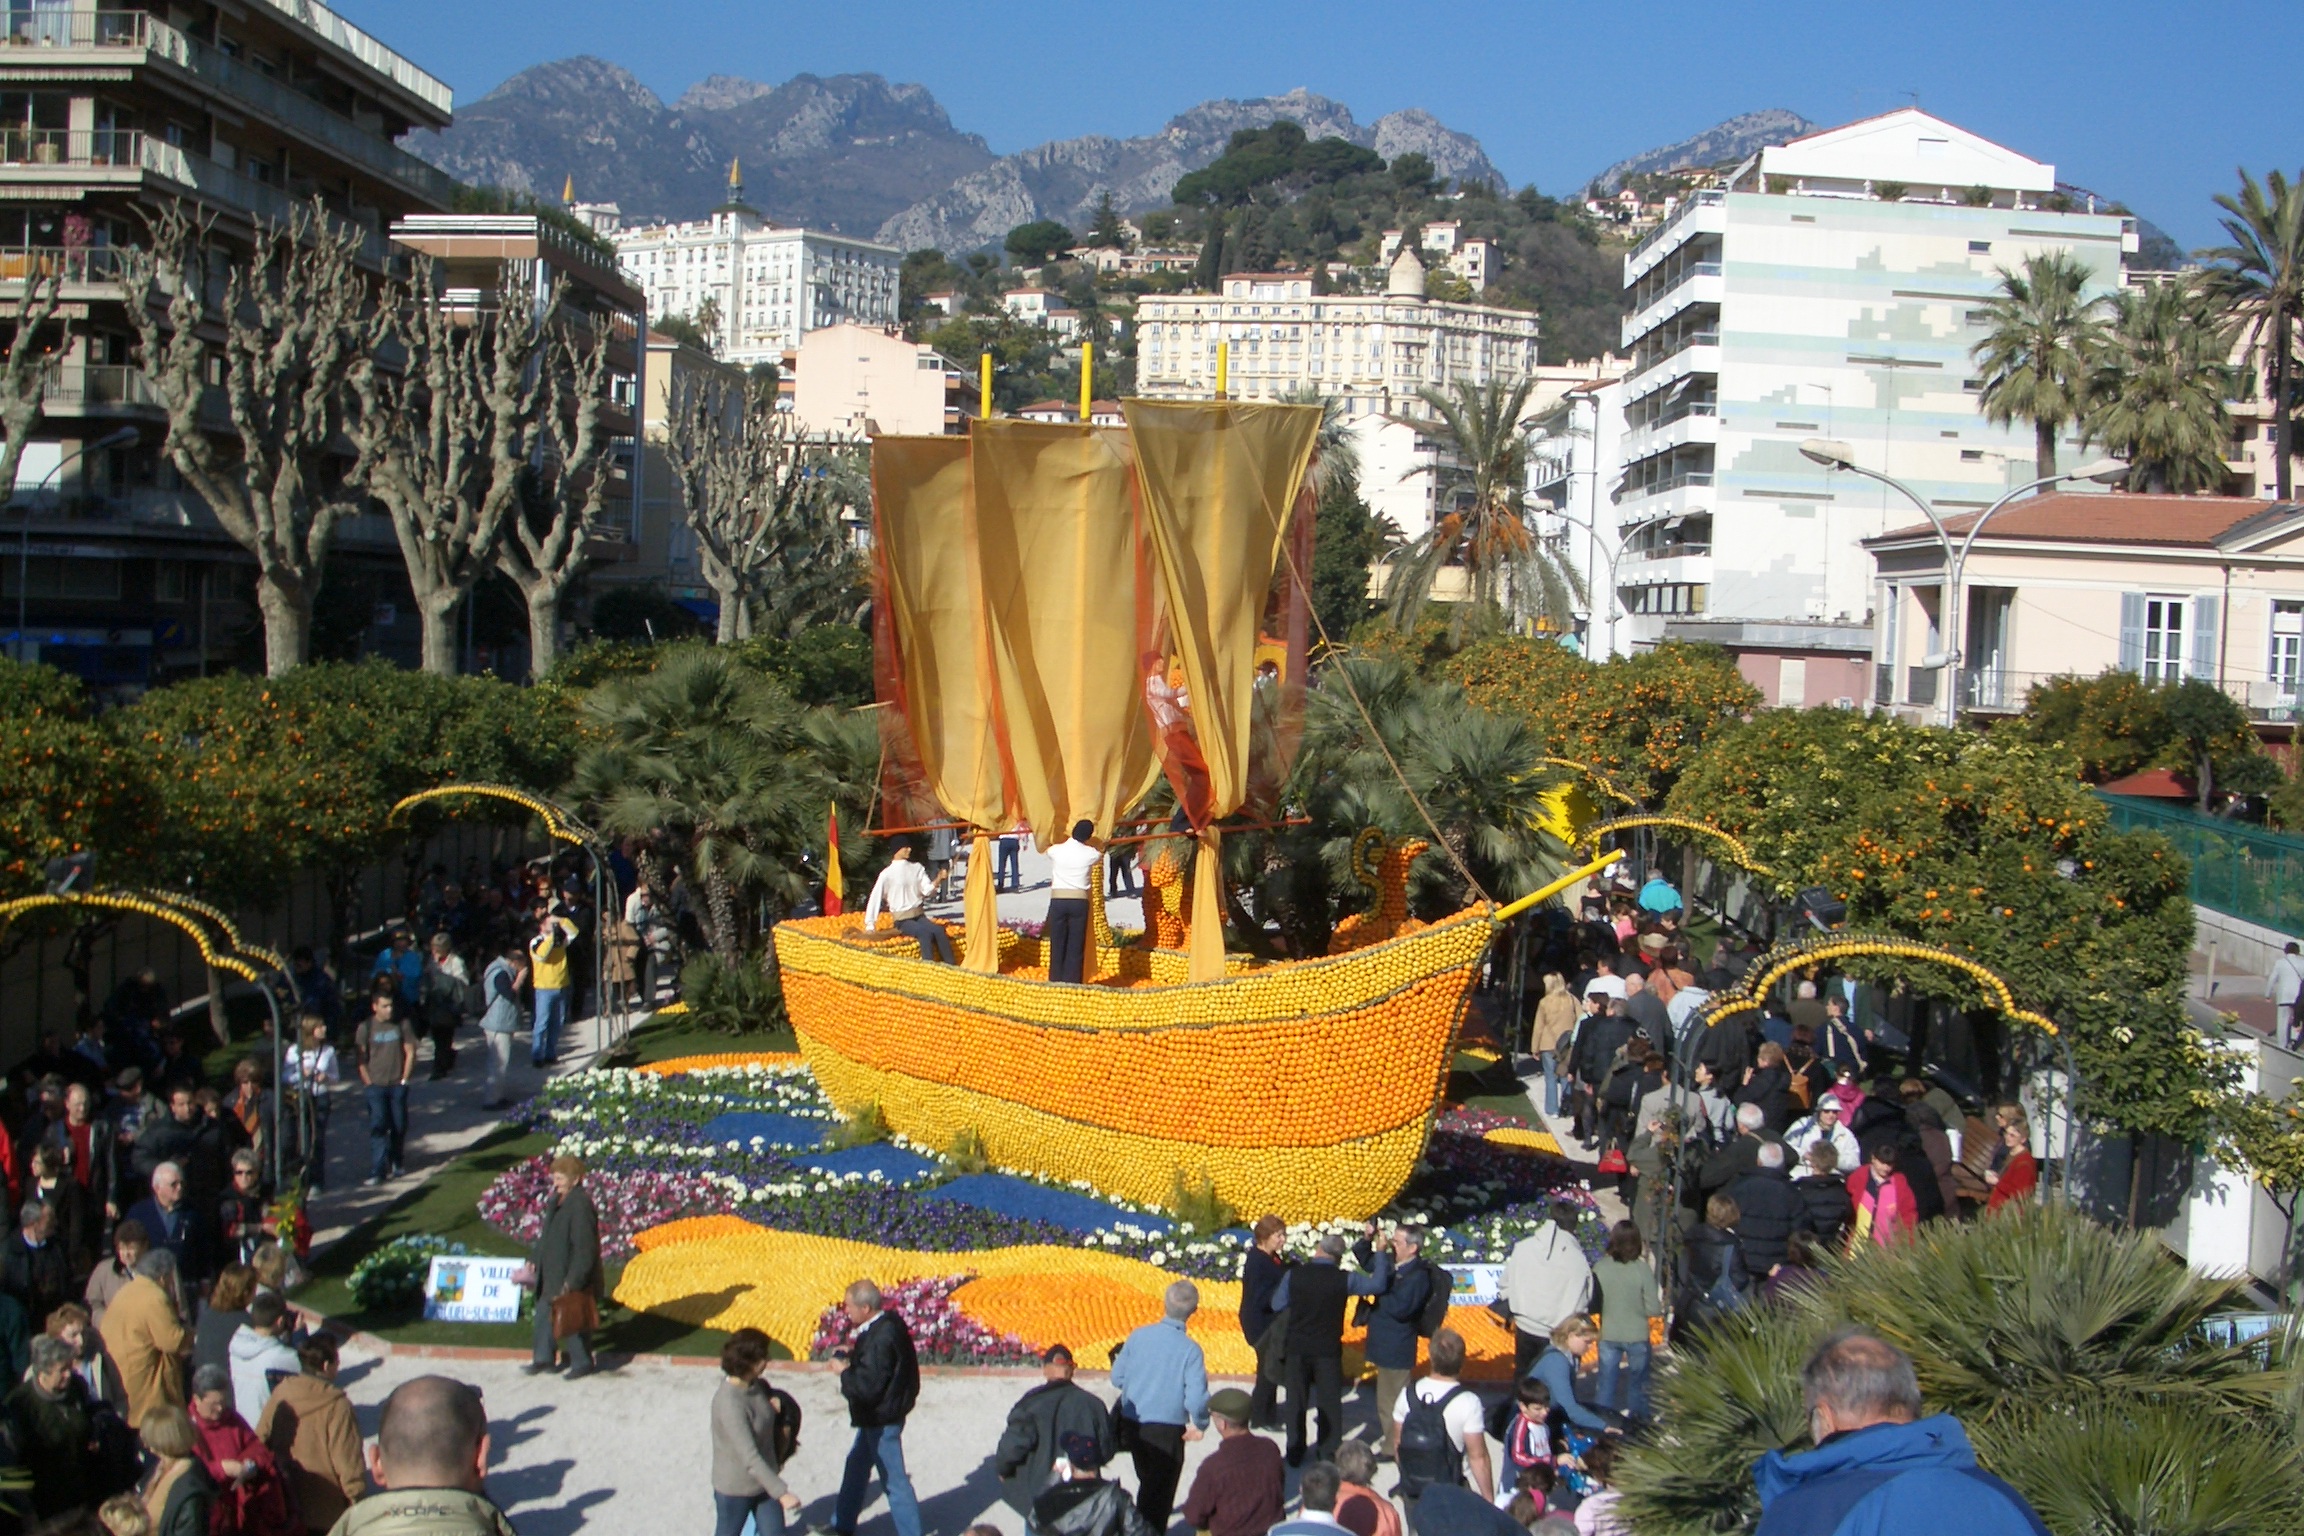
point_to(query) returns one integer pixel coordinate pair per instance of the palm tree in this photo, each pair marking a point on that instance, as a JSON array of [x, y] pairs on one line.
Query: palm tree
[[2158, 396], [1485, 527], [2042, 349], [2075, 1355], [2259, 281], [715, 759]]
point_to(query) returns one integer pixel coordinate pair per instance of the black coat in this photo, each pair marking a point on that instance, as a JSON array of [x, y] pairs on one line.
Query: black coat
[[1597, 1044], [1260, 1276], [1773, 1211], [567, 1252], [1086, 1509], [1035, 1435], [1318, 1295], [882, 1381], [1829, 1208], [53, 1438], [1726, 1166], [1709, 1254], [1392, 1335], [1648, 1011], [1771, 1089], [40, 1278]]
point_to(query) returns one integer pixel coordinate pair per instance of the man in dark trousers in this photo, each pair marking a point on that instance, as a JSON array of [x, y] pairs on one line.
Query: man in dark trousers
[[1038, 1425], [1395, 1321], [880, 1378], [1315, 1297]]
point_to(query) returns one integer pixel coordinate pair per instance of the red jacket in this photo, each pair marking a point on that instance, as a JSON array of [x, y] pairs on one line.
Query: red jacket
[[2017, 1181], [1902, 1218]]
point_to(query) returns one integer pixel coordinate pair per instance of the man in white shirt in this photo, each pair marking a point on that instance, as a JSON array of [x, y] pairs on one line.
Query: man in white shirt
[[1460, 1412], [2286, 981], [903, 889], [1072, 865]]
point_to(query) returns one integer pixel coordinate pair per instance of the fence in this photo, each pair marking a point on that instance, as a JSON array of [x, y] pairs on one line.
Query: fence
[[36, 988], [2242, 871]]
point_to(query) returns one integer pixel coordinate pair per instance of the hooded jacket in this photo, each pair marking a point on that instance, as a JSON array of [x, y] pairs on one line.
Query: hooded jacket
[[1914, 1479], [314, 1435], [258, 1359]]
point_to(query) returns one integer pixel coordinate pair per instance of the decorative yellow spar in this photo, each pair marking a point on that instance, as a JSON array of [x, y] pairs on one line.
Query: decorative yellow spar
[[1304, 1088]]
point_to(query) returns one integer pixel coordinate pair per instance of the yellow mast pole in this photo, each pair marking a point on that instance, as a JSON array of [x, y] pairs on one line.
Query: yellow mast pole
[[984, 387], [1087, 379], [1223, 369]]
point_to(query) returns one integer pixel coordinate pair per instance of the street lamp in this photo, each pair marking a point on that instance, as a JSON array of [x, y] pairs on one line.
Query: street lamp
[[1838, 455], [118, 437], [1614, 601]]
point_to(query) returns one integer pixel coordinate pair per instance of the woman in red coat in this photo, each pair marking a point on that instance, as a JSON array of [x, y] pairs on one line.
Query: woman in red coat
[[2019, 1175], [251, 1495], [1886, 1213]]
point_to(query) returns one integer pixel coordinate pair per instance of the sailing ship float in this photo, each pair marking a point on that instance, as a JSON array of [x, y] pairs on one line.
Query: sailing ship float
[[1064, 614]]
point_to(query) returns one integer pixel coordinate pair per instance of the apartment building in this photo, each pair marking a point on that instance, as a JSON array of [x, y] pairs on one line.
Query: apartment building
[[1832, 288], [1373, 351], [667, 546], [857, 379], [768, 284], [243, 111], [2166, 587]]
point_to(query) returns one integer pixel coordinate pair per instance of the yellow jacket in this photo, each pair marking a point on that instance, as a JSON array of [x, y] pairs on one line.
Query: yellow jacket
[[148, 1342]]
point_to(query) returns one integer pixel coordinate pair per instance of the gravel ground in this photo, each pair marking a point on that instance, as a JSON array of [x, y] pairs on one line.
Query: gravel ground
[[629, 1449]]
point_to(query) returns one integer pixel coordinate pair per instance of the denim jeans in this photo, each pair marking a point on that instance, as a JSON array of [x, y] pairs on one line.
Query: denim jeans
[[731, 1510], [551, 1014], [1007, 864], [387, 1127], [1551, 1083], [882, 1449], [1625, 1391]]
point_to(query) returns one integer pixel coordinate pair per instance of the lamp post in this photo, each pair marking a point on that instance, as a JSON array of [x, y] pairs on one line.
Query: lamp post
[[1614, 601], [1837, 455], [118, 437]]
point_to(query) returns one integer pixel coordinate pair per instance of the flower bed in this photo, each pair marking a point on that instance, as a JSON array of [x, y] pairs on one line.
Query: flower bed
[[629, 1201], [1007, 1195], [392, 1278], [941, 1332]]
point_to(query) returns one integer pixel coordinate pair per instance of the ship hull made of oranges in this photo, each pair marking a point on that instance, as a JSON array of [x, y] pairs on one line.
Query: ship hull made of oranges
[[1305, 1089]]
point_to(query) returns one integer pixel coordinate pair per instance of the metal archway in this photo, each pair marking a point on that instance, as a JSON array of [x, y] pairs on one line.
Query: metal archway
[[1590, 837], [221, 947], [610, 1021]]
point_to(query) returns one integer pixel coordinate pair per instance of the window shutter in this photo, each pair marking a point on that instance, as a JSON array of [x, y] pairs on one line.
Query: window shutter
[[2207, 636], [2132, 632]]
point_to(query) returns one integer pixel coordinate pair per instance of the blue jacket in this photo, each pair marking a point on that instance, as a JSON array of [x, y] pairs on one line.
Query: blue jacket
[[1558, 1373], [1162, 1377], [1917, 1479], [1392, 1335]]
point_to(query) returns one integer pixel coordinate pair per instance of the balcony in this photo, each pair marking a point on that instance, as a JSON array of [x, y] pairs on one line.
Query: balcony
[[1696, 353], [103, 390], [1683, 495], [1702, 284], [1705, 212], [112, 38], [341, 34], [83, 266], [67, 150], [1676, 566], [1689, 423]]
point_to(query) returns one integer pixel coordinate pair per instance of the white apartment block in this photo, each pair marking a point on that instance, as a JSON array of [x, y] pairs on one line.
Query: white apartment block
[[1473, 257], [1373, 350], [1040, 307], [1832, 289], [772, 284]]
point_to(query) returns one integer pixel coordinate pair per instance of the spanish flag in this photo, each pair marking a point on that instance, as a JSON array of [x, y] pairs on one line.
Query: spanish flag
[[834, 886]]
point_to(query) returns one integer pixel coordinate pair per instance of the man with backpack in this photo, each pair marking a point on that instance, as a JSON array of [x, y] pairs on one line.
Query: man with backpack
[[1440, 1429], [1411, 1308]]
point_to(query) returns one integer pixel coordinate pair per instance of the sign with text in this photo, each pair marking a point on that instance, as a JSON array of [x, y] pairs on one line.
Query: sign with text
[[1476, 1284], [462, 1288]]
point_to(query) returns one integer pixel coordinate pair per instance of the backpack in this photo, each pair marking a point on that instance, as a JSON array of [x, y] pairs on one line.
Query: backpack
[[787, 1425], [1434, 1317], [1427, 1456]]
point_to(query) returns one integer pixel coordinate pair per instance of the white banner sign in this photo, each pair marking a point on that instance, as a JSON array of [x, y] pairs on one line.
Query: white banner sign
[[462, 1288]]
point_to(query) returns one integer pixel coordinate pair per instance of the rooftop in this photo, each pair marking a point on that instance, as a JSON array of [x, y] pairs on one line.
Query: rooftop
[[2067, 517]]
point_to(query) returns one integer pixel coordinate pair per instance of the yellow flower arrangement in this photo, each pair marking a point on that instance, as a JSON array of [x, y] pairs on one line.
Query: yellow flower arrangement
[[674, 1066]]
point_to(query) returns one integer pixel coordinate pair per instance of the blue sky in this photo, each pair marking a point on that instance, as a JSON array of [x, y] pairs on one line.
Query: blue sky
[[2149, 102]]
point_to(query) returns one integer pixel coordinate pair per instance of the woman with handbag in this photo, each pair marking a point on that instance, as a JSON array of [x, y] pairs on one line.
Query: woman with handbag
[[566, 1273]]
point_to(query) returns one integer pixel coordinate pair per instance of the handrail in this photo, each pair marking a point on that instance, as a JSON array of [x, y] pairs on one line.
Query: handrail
[[334, 29]]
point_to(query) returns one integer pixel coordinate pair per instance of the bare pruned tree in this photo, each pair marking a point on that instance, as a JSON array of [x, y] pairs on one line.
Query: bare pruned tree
[[24, 370], [565, 488], [445, 438], [277, 336], [763, 503]]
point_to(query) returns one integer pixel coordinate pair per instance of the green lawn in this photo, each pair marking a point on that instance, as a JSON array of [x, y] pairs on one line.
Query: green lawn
[[447, 1205]]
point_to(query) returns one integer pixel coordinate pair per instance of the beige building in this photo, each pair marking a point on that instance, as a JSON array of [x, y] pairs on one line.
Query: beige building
[[852, 380], [2167, 587], [665, 548]]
